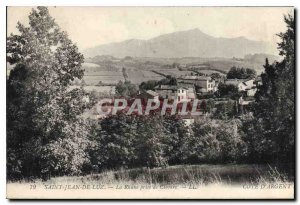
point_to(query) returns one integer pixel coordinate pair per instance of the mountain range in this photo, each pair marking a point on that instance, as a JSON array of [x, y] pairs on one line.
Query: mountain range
[[190, 43]]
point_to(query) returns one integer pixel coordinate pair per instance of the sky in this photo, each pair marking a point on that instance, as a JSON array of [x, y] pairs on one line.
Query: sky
[[93, 26]]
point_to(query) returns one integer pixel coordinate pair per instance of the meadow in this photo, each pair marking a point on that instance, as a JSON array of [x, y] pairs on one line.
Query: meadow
[[206, 174], [181, 182]]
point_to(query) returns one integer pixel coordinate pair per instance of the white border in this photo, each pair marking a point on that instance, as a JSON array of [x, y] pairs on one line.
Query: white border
[[4, 3]]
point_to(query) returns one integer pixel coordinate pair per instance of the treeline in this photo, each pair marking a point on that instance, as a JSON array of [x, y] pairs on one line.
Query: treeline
[[156, 141]]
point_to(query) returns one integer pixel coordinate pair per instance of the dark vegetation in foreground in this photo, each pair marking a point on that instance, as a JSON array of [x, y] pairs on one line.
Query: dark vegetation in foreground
[[46, 138]]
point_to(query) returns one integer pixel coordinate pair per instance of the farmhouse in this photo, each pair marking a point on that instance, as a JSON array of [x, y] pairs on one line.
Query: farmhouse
[[174, 92], [236, 82], [248, 86], [190, 89], [203, 84]]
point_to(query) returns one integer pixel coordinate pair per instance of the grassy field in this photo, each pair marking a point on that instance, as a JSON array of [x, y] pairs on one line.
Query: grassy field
[[184, 181], [95, 73], [138, 76], [197, 174]]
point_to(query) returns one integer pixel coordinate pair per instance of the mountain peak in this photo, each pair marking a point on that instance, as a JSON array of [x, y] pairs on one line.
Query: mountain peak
[[194, 30], [188, 43]]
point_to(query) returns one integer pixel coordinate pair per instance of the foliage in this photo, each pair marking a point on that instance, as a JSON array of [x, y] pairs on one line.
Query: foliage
[[155, 141], [215, 141], [230, 90], [126, 89], [148, 85], [151, 84], [273, 130], [131, 141], [240, 73], [216, 76], [225, 110], [43, 131]]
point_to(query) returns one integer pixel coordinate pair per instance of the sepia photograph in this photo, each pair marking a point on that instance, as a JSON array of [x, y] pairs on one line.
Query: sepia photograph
[[150, 102]]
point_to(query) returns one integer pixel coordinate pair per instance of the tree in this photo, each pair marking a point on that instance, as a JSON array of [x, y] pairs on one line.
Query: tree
[[274, 109], [226, 110], [215, 141], [114, 142], [126, 89], [216, 76], [148, 85], [230, 90], [241, 73], [44, 135]]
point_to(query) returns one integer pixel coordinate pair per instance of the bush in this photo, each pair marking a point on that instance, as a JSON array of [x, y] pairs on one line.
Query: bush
[[215, 141]]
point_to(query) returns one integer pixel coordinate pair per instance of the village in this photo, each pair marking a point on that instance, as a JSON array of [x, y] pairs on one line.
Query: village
[[187, 89]]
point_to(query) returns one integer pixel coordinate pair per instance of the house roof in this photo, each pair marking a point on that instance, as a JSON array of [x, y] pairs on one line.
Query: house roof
[[170, 87], [186, 85], [234, 81], [193, 77]]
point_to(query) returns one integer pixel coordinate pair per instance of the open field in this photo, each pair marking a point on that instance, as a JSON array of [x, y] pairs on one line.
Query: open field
[[108, 70], [137, 76], [174, 72], [100, 89], [95, 73]]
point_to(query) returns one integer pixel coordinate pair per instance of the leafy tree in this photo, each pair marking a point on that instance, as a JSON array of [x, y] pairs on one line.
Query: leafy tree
[[241, 73], [226, 110], [274, 109], [126, 89], [215, 141], [230, 90], [177, 134], [150, 147], [115, 138], [216, 76], [250, 73], [44, 135], [151, 84], [169, 80], [148, 85]]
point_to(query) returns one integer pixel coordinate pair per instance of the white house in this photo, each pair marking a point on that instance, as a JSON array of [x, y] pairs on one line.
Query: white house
[[242, 84], [205, 83], [179, 93]]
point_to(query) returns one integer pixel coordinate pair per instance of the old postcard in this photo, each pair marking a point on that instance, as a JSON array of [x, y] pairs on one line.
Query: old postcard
[[150, 102]]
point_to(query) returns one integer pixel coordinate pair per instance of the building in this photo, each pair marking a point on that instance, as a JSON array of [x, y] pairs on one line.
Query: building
[[175, 92], [244, 85], [251, 92], [237, 82], [203, 84], [190, 90], [248, 87], [258, 81]]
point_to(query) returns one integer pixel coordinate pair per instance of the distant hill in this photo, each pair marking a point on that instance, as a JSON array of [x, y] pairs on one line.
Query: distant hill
[[191, 43], [261, 58]]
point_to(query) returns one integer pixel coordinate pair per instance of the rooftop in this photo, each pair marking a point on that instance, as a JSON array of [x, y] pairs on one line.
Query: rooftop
[[170, 87], [194, 77]]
